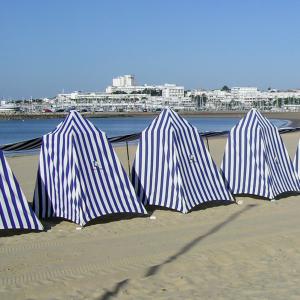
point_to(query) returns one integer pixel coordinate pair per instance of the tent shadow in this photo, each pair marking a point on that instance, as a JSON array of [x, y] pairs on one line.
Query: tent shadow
[[153, 208], [261, 198], [210, 204], [16, 232], [50, 223], [286, 195], [114, 218]]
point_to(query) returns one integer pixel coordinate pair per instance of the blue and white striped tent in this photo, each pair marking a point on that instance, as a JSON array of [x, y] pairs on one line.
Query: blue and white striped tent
[[80, 176], [173, 168], [15, 213], [297, 160], [256, 161]]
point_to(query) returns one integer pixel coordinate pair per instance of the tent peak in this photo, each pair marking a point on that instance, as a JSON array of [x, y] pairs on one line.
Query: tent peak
[[74, 112], [75, 115], [168, 109], [255, 111]]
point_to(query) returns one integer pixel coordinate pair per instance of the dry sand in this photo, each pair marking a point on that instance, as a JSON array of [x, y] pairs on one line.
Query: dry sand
[[248, 251]]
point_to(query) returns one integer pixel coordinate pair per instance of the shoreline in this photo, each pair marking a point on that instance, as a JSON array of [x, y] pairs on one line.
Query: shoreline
[[292, 117]]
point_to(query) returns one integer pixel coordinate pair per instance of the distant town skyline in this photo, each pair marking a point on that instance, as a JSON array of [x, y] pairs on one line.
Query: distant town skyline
[[48, 46]]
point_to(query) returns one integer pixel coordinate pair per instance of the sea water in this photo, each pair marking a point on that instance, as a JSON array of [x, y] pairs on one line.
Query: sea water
[[12, 131]]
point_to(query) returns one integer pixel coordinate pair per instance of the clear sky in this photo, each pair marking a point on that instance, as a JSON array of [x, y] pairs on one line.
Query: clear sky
[[50, 45]]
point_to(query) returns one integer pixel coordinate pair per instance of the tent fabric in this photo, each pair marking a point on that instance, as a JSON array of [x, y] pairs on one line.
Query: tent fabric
[[79, 176], [15, 213], [173, 168], [297, 160], [256, 161]]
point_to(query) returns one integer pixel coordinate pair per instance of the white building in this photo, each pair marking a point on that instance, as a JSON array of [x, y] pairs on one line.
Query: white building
[[124, 89], [123, 81], [179, 104], [8, 107], [172, 91], [101, 101], [126, 84], [245, 94]]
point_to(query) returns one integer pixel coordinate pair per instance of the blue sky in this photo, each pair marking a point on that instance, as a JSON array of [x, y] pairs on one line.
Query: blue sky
[[50, 45]]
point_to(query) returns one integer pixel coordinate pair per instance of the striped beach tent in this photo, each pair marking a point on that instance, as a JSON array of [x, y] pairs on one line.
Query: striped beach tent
[[256, 161], [80, 176], [297, 160], [15, 213], [173, 168]]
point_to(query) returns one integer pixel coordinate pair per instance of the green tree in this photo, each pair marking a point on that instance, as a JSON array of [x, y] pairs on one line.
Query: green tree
[[225, 88], [119, 92]]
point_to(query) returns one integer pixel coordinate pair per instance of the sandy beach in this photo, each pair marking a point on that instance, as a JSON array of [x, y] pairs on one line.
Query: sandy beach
[[248, 251]]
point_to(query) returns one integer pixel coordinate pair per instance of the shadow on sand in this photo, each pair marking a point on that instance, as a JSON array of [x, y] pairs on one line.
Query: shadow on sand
[[155, 269], [151, 209], [48, 224], [261, 198], [52, 222], [114, 218]]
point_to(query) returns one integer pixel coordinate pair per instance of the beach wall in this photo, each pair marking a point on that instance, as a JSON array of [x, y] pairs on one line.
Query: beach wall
[[25, 167]]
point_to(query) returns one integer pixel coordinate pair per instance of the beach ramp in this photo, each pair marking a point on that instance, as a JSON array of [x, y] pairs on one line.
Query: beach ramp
[[15, 212], [256, 161], [173, 168], [80, 176]]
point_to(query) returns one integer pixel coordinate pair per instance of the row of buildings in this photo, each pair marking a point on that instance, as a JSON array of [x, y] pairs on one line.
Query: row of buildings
[[125, 95]]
